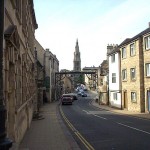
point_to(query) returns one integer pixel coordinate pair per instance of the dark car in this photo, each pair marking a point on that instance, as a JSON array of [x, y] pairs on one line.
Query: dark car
[[66, 99]]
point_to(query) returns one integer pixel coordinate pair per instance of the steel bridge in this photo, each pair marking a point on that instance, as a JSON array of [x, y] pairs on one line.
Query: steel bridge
[[59, 76]]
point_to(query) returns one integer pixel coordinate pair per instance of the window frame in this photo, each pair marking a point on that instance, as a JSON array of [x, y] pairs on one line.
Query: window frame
[[113, 58], [148, 69], [115, 97], [124, 52], [132, 49], [124, 74], [113, 77], [133, 99], [133, 78], [147, 42]]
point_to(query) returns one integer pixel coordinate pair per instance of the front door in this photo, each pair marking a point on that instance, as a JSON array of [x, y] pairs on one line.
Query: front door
[[125, 99], [148, 102]]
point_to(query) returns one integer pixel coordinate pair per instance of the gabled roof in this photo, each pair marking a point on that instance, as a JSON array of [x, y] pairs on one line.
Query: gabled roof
[[128, 40]]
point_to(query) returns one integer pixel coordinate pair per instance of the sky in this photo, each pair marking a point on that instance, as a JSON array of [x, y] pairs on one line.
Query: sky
[[95, 23]]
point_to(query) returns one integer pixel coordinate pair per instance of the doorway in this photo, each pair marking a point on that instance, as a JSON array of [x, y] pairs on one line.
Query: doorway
[[148, 100], [125, 99]]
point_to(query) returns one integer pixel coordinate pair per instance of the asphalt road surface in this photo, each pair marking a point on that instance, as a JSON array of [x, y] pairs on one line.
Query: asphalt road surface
[[94, 128]]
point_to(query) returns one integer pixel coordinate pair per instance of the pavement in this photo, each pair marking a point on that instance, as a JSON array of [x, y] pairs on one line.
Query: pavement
[[50, 133], [123, 112]]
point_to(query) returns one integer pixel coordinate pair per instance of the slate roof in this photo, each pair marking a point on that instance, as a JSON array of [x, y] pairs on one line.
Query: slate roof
[[114, 50], [128, 40]]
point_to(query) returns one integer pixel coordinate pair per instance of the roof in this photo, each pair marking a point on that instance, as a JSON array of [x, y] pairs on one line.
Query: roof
[[114, 50], [128, 40]]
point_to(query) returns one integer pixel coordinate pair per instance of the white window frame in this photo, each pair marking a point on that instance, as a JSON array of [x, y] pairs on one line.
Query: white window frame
[[124, 74], [113, 58], [113, 77], [133, 97], [132, 49], [147, 42], [115, 96], [124, 54], [147, 69], [133, 73]]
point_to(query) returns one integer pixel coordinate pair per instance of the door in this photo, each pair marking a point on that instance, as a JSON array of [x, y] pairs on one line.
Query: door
[[148, 100], [125, 99]]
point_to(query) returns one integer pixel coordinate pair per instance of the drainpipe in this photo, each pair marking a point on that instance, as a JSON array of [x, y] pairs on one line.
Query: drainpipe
[[5, 143]]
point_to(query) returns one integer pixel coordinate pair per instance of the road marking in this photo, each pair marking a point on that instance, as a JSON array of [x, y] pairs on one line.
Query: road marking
[[100, 117], [76, 132], [94, 114], [86, 111], [134, 128]]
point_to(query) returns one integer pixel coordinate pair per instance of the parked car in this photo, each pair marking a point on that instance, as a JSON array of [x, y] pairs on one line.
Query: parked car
[[66, 99]]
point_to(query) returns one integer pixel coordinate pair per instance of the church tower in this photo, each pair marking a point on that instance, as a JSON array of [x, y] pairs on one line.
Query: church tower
[[77, 60]]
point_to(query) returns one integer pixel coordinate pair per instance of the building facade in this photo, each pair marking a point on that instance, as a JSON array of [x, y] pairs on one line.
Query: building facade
[[132, 74], [103, 83], [146, 53], [113, 54], [19, 66], [51, 65]]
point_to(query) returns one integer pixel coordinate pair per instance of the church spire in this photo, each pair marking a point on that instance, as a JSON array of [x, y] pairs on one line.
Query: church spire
[[77, 46], [77, 60]]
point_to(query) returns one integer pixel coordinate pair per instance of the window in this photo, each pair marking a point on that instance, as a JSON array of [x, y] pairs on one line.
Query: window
[[147, 42], [132, 49], [132, 72], [113, 58], [101, 81], [114, 96], [123, 52], [113, 77], [147, 68], [133, 96], [124, 74]]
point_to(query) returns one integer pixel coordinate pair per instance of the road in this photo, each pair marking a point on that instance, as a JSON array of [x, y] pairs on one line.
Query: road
[[94, 128]]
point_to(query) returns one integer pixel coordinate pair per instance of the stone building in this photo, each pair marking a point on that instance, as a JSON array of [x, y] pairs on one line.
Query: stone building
[[103, 83], [51, 66], [18, 59], [132, 73], [91, 80], [146, 54]]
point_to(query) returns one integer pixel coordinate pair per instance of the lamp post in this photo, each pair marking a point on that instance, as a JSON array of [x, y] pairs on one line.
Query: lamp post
[[5, 143]]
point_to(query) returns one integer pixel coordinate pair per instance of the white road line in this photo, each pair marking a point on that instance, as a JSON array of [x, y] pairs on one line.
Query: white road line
[[94, 115], [134, 128], [86, 111], [100, 117]]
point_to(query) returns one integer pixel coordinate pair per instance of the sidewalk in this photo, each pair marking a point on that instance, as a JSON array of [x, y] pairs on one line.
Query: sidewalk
[[125, 112], [49, 133]]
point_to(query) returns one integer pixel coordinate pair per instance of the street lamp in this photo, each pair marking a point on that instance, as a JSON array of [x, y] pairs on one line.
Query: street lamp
[[5, 143]]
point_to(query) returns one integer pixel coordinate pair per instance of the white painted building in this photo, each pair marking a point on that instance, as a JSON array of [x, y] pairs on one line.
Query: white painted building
[[113, 54]]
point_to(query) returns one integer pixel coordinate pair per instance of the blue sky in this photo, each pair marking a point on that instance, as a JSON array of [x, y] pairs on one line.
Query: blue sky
[[96, 23]]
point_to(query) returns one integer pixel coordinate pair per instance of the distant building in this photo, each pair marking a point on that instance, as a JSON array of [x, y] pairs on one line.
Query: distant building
[[103, 83], [91, 80]]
